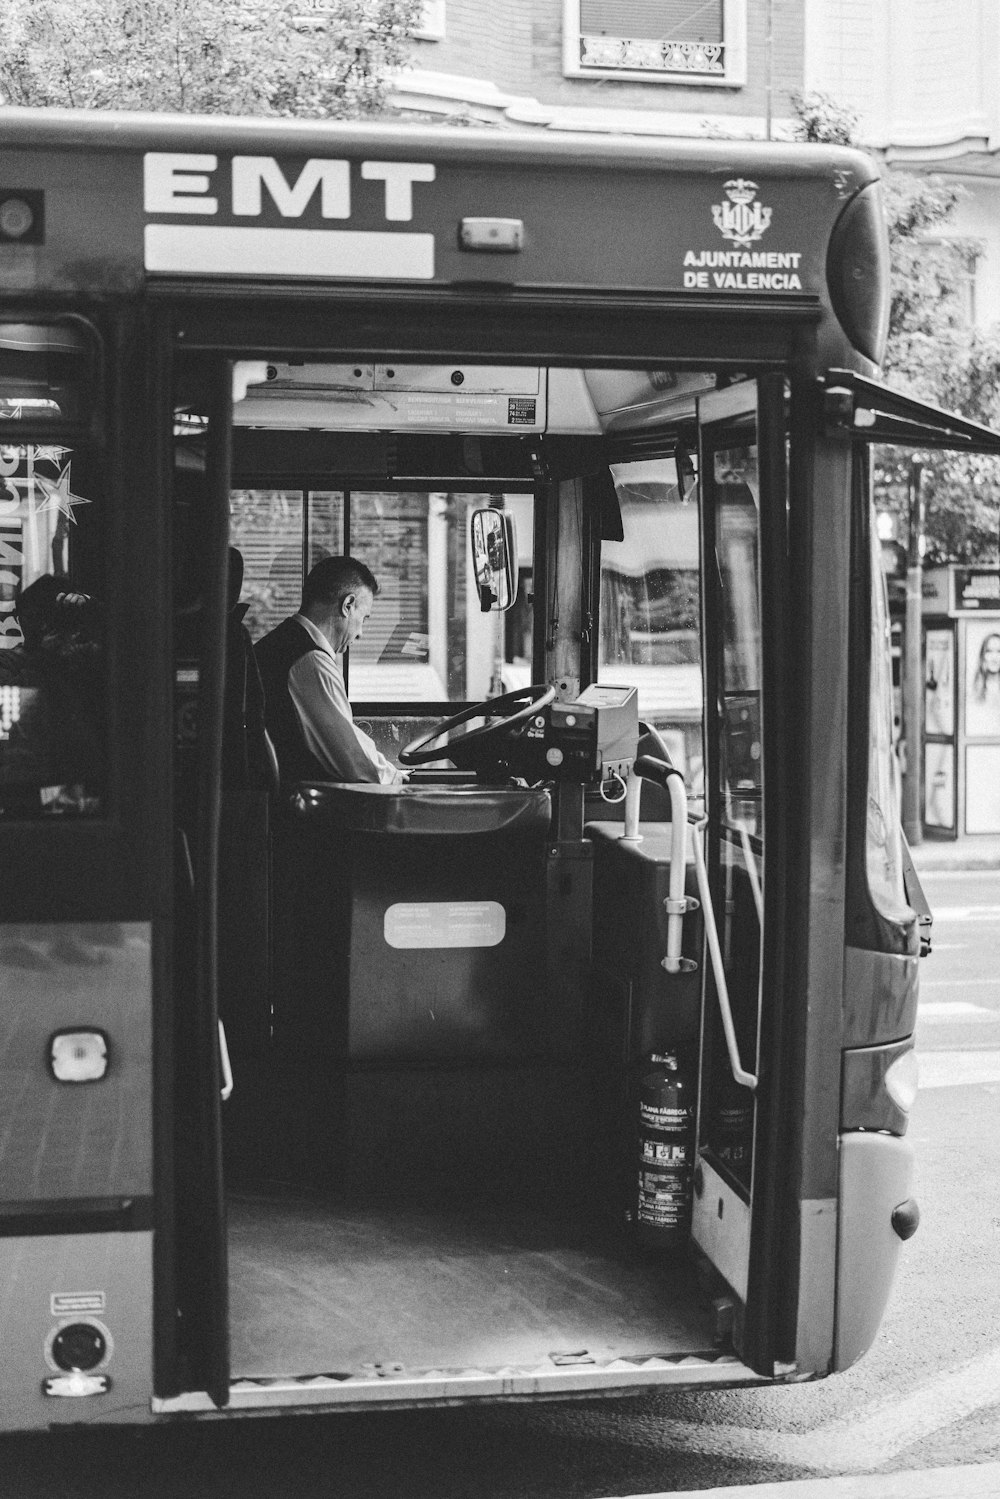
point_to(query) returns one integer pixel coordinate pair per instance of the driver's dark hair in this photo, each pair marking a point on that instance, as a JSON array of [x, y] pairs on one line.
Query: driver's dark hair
[[332, 579]]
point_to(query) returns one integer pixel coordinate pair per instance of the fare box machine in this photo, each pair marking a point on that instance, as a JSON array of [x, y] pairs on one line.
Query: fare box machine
[[595, 738]]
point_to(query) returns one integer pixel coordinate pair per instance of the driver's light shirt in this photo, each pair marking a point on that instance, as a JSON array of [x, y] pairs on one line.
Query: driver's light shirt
[[316, 687]]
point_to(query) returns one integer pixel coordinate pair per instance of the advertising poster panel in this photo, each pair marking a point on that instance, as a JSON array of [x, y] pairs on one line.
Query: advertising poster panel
[[939, 683], [982, 679]]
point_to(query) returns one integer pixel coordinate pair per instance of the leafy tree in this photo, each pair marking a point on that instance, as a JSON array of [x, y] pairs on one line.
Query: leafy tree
[[822, 118], [932, 351], [255, 57]]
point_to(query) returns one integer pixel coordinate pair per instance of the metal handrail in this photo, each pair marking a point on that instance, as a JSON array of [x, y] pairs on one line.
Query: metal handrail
[[665, 774], [225, 1065], [740, 1074]]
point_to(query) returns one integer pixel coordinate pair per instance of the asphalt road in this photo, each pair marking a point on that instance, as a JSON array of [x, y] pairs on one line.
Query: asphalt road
[[927, 1395]]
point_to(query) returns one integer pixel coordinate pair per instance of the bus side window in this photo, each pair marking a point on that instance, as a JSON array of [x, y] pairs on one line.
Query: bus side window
[[427, 640], [52, 727]]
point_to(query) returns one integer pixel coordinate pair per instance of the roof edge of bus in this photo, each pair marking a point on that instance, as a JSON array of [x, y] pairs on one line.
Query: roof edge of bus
[[24, 127]]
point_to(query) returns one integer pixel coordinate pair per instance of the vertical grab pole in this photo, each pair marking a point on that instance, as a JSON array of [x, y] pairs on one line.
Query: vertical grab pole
[[676, 902], [745, 1079], [633, 792]]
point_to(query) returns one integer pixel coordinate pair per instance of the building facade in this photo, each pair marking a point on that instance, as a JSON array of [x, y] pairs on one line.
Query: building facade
[[924, 78], [922, 75], [678, 67]]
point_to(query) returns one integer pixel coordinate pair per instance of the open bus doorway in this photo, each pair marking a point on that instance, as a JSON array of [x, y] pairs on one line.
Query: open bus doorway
[[428, 1153]]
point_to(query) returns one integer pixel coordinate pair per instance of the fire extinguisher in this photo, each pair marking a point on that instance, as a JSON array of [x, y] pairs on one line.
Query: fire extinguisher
[[665, 1153]]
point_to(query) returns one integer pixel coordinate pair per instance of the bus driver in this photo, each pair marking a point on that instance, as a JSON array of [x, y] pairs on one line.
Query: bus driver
[[306, 709]]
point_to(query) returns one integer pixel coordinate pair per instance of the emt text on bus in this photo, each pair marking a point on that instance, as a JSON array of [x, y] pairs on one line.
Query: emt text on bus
[[576, 1056]]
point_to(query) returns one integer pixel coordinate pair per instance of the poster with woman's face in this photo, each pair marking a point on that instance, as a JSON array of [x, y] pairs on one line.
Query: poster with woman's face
[[982, 678]]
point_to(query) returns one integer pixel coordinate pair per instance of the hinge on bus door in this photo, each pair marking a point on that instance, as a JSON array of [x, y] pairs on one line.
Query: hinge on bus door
[[917, 901], [839, 416], [924, 932]]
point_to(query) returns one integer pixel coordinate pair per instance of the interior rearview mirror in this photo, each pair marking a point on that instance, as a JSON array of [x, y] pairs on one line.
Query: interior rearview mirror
[[494, 558]]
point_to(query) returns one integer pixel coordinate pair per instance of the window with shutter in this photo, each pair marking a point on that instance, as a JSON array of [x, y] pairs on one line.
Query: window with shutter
[[677, 41]]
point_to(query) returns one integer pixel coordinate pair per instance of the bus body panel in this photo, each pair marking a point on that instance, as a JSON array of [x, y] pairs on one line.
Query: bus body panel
[[275, 200], [819, 528], [42, 1282], [880, 997], [875, 1175], [817, 1273], [866, 1101], [66, 1143], [826, 686]]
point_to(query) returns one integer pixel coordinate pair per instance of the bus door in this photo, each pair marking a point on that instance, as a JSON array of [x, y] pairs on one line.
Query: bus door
[[743, 487], [201, 1078]]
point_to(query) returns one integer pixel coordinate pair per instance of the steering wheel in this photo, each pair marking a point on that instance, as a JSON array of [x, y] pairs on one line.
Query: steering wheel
[[501, 713]]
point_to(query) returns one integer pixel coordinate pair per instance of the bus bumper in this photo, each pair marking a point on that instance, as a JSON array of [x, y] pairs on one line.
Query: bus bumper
[[876, 1214]]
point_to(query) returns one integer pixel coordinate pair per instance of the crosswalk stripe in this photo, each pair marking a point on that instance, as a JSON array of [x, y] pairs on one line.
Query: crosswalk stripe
[[955, 1010], [955, 983], [970, 1481], [966, 913], [957, 1069], [861, 1439]]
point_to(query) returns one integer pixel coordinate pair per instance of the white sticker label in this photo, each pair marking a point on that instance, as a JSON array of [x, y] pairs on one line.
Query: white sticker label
[[445, 923], [197, 250], [69, 1303]]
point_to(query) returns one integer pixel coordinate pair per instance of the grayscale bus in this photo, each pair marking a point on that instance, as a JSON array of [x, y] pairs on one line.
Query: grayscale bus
[[579, 1060]]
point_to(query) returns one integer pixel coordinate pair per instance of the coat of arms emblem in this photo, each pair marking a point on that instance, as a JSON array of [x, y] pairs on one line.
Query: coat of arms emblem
[[741, 219]]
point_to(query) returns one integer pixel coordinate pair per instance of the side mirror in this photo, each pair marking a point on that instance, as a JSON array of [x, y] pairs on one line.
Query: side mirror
[[494, 559]]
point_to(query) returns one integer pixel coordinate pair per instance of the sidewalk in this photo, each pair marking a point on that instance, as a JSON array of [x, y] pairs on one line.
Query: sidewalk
[[976, 1481], [975, 851]]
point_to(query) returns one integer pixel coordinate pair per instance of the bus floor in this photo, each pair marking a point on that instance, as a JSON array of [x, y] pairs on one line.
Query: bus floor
[[327, 1286]]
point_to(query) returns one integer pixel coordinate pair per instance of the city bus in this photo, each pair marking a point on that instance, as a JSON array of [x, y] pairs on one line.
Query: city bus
[[321, 1096]]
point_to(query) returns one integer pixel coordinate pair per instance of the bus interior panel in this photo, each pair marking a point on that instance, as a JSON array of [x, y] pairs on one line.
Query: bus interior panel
[[440, 999]]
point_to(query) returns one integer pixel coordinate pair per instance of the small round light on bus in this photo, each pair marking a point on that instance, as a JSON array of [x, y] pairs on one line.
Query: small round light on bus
[[78, 1347], [901, 1080], [16, 218]]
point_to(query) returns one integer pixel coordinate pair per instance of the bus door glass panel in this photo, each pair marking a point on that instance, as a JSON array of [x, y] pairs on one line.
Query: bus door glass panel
[[736, 811], [53, 698], [650, 607]]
